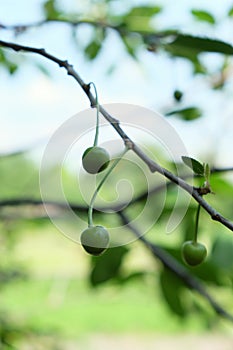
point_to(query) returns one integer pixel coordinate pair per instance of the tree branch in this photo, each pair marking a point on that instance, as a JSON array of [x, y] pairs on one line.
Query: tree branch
[[152, 165], [173, 265], [119, 28], [18, 202], [15, 202], [20, 28]]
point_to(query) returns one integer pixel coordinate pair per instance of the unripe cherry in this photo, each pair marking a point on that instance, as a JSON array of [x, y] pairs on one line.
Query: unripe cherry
[[193, 253], [95, 159], [95, 240]]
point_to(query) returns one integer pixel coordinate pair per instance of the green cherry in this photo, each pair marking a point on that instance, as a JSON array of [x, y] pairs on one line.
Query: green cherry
[[95, 159], [193, 253], [95, 240]]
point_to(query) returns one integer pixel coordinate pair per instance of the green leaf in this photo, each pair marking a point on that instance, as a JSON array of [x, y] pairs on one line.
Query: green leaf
[[200, 44], [50, 9], [145, 11], [12, 67], [138, 18], [189, 47], [209, 272], [2, 57], [203, 16], [8, 63], [230, 12], [129, 45], [194, 164], [172, 288], [92, 49], [207, 172], [108, 265], [138, 275], [187, 114], [222, 253]]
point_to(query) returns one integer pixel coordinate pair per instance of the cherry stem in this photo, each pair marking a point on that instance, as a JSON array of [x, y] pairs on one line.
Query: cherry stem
[[114, 164], [97, 116], [196, 223]]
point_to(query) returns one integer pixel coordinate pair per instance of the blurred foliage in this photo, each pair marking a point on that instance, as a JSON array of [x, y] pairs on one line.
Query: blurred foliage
[[230, 13], [174, 300], [187, 114], [23, 182], [107, 266], [50, 10], [139, 18], [137, 28], [203, 16], [178, 95], [7, 62]]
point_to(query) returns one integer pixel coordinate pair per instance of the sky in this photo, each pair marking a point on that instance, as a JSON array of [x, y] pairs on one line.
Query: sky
[[34, 106]]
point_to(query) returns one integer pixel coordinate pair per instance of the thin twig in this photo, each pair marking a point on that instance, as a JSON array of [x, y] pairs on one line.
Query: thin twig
[[119, 28], [152, 165], [221, 170], [20, 28], [173, 265], [16, 202]]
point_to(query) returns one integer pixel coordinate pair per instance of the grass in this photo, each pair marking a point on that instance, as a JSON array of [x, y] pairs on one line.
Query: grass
[[73, 309]]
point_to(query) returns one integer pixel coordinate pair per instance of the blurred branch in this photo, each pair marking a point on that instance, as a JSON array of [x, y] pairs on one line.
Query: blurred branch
[[20, 28], [12, 154], [37, 202], [221, 170], [26, 149], [111, 209], [119, 28], [152, 165], [173, 265]]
